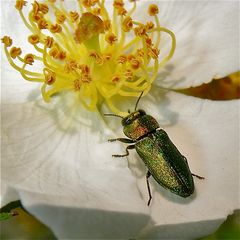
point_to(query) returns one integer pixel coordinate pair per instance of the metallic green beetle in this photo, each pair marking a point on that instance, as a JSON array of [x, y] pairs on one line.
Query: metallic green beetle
[[163, 160]]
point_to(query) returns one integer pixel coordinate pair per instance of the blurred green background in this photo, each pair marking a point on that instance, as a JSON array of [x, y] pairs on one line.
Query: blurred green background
[[25, 226]]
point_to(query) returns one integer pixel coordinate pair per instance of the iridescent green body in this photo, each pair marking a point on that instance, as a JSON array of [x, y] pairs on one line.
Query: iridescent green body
[[165, 163], [163, 160]]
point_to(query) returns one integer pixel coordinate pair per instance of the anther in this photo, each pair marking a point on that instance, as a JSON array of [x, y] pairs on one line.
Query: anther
[[54, 52], [135, 64], [62, 55], [29, 59], [140, 52], [44, 8], [127, 24], [153, 53], [110, 38], [121, 59], [98, 58], [49, 42], [128, 74], [7, 41], [20, 4], [148, 41], [118, 3], [38, 16], [33, 39], [115, 79], [149, 26], [106, 25], [140, 31], [35, 7], [153, 10], [74, 16], [42, 24], [121, 11], [89, 3], [50, 76], [15, 52], [70, 66], [60, 17], [56, 28]]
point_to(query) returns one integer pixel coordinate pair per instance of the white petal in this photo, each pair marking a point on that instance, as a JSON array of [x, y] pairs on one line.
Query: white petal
[[68, 178], [207, 133], [53, 188], [68, 166], [207, 38]]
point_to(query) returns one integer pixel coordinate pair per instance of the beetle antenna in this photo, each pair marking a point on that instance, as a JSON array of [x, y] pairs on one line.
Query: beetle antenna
[[138, 101], [112, 115]]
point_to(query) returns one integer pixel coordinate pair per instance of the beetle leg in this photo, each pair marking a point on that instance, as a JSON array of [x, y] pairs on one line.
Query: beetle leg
[[199, 177], [124, 140], [127, 152], [148, 187]]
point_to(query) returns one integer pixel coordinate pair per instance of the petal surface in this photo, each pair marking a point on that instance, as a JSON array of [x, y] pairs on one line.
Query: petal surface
[[61, 168], [207, 134], [64, 172], [57, 178], [207, 35]]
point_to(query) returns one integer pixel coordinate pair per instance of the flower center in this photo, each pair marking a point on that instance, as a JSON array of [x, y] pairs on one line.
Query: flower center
[[89, 53]]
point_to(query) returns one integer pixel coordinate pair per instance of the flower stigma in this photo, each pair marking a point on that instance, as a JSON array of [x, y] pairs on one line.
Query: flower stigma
[[89, 53]]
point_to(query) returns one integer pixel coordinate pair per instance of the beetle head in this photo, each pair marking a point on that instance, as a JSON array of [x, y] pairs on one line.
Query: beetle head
[[129, 119], [138, 124]]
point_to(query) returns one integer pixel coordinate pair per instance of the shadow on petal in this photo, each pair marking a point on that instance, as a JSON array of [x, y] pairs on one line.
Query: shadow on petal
[[181, 231], [69, 223]]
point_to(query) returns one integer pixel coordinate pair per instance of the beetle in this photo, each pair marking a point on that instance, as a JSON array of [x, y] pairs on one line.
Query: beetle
[[162, 158]]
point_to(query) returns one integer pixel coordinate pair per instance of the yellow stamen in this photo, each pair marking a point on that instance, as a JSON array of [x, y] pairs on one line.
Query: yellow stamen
[[90, 54]]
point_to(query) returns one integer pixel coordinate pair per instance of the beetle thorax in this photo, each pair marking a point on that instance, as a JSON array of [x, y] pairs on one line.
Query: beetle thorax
[[140, 126]]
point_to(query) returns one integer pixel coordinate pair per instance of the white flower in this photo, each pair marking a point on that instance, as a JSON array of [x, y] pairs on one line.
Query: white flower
[[56, 158]]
